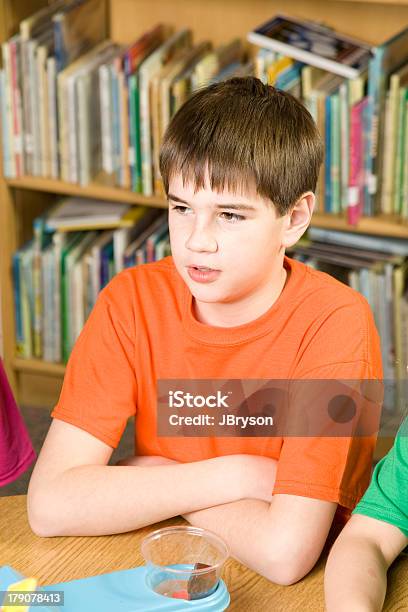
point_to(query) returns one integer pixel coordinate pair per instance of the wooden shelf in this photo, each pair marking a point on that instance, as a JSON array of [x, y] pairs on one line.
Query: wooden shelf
[[383, 225], [38, 366], [93, 190]]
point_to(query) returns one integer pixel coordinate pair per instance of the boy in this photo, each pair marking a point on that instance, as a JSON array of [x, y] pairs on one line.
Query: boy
[[239, 163], [356, 571]]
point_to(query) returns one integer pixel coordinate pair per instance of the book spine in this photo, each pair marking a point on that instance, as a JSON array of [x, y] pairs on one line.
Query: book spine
[[145, 136], [17, 108], [43, 108], [9, 108], [83, 130], [335, 151], [26, 294], [53, 116], [37, 284], [399, 157], [4, 126], [133, 133], [59, 41], [17, 304], [390, 146], [62, 125], [344, 144], [124, 105], [25, 80], [72, 98], [106, 117], [46, 312], [35, 110], [115, 124], [366, 195], [354, 208], [328, 154], [58, 239]]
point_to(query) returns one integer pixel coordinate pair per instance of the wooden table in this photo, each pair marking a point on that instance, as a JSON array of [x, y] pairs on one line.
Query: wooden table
[[53, 560]]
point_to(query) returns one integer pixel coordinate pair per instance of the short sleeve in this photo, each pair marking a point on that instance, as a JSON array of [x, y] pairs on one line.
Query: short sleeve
[[343, 347], [386, 498], [99, 390], [16, 451]]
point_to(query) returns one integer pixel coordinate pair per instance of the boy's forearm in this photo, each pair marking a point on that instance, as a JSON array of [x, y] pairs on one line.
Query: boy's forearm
[[100, 500], [267, 537], [244, 525], [355, 576]]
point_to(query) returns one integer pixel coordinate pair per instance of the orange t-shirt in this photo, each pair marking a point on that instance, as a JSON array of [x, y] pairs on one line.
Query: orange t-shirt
[[142, 329]]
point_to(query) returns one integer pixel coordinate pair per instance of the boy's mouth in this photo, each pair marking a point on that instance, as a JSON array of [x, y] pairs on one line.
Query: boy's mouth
[[203, 268], [202, 274]]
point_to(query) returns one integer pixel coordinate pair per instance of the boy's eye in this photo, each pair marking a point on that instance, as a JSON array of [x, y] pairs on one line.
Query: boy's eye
[[233, 217], [180, 209]]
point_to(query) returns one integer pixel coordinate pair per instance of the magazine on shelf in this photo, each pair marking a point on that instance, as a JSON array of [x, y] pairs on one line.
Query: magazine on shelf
[[314, 44]]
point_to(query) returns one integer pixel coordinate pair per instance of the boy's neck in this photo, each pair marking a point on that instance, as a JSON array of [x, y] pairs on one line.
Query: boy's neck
[[233, 314]]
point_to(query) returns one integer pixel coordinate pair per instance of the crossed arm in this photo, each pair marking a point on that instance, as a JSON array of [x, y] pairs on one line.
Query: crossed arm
[[74, 492]]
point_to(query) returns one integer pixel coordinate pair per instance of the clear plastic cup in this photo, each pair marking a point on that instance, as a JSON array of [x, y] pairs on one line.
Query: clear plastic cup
[[183, 562]]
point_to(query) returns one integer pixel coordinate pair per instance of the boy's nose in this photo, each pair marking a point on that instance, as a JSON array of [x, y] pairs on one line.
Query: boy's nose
[[202, 239]]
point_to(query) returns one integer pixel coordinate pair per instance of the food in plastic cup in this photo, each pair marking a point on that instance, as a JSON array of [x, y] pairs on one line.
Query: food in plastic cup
[[183, 562]]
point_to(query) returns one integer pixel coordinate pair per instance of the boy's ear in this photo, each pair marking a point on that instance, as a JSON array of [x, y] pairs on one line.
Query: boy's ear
[[298, 219]]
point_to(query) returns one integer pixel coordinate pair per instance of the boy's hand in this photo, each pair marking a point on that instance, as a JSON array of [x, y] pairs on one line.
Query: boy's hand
[[146, 461]]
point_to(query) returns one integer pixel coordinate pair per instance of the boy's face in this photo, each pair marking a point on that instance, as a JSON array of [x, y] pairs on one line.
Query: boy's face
[[239, 237]]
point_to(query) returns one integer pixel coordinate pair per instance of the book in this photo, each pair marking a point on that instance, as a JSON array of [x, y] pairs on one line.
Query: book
[[78, 26], [8, 108], [7, 163], [91, 269], [75, 290], [42, 54], [395, 246], [52, 117], [85, 213], [314, 44], [356, 172], [140, 218], [17, 111], [130, 255]]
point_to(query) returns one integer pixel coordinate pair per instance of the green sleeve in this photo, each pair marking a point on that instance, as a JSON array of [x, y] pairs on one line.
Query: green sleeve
[[386, 498]]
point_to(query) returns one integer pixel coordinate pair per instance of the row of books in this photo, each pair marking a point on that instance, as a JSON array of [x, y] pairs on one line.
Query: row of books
[[360, 107], [58, 274], [101, 108], [377, 268]]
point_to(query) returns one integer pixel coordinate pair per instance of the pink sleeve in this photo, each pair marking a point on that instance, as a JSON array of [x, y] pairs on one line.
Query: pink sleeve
[[16, 450]]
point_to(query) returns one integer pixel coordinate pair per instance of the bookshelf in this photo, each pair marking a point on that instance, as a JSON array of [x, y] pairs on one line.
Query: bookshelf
[[21, 200]]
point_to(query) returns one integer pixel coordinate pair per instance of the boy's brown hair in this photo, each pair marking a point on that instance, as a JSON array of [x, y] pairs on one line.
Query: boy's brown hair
[[247, 133]]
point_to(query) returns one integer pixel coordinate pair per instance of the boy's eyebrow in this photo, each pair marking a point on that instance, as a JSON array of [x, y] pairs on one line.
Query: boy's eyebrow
[[232, 206]]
